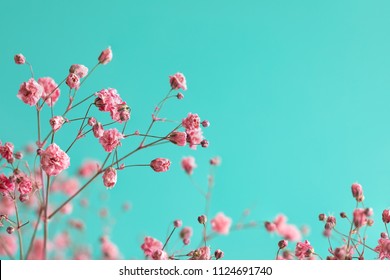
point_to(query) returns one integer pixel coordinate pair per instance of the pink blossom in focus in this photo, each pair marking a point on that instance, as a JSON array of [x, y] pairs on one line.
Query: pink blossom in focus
[[105, 56], [91, 121], [51, 91], [30, 92], [386, 216], [89, 168], [160, 164], [111, 139], [6, 185], [98, 130], [159, 255], [10, 244], [178, 81], [54, 160], [19, 59], [107, 99], [194, 137], [203, 253], [357, 191], [383, 248], [192, 121], [110, 177], [79, 70], [56, 123], [178, 138], [221, 223], [24, 184], [188, 164], [150, 245], [303, 250], [73, 81], [7, 151]]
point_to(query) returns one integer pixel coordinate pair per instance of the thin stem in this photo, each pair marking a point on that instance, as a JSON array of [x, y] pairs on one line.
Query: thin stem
[[357, 241], [39, 126], [45, 221], [35, 232], [277, 254], [387, 230], [31, 69], [350, 231], [136, 165], [19, 231], [169, 237]]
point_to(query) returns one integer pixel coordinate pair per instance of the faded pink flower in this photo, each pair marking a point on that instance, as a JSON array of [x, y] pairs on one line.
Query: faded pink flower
[[160, 164], [89, 168], [36, 250], [194, 137], [30, 92], [19, 59], [82, 254], [51, 91], [106, 56], [178, 138], [215, 161], [56, 123], [110, 177], [192, 121], [203, 253], [67, 209], [178, 81], [186, 233], [98, 130], [357, 191], [303, 250], [24, 184], [70, 186], [188, 164], [341, 253], [111, 139], [386, 216], [151, 245], [79, 69], [54, 160], [6, 185], [9, 244], [7, 206], [73, 81], [270, 227], [289, 232], [359, 217], [221, 223], [177, 223], [159, 255], [121, 113], [109, 250], [7, 151], [62, 241], [383, 248]]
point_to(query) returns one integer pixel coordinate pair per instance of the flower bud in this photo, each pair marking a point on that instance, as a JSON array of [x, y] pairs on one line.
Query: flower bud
[[202, 219], [10, 230], [218, 254], [282, 244], [177, 223], [105, 56], [205, 123], [19, 59]]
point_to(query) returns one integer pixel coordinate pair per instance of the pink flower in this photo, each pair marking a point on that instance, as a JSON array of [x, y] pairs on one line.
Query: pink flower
[[386, 216], [107, 99], [89, 168], [194, 137], [160, 164], [383, 248], [67, 209], [270, 227], [37, 250], [111, 139], [341, 253], [359, 217], [357, 191], [110, 250], [205, 123], [186, 233], [159, 255], [215, 161], [177, 223], [56, 122], [54, 160], [6, 185], [289, 232], [203, 253], [62, 241], [19, 59], [303, 250], [73, 81], [9, 244], [24, 184], [51, 91], [188, 164], [178, 138], [109, 177], [79, 70], [150, 245], [70, 186], [7, 151], [218, 254], [91, 121], [178, 81], [221, 223], [98, 130], [30, 92], [106, 56], [192, 121], [121, 113]]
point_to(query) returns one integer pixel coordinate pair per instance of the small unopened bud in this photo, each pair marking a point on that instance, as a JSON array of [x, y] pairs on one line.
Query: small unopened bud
[[24, 197], [204, 143], [19, 59], [370, 222], [343, 215], [384, 235], [369, 211], [202, 219], [186, 241], [322, 217], [177, 223], [180, 95], [39, 152], [10, 230], [18, 155], [282, 244], [205, 123], [91, 121], [218, 254]]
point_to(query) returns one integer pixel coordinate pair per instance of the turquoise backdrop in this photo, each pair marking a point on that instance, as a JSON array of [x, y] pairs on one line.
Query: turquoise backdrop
[[297, 93]]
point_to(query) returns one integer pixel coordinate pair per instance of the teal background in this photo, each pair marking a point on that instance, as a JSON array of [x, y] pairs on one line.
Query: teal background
[[297, 93]]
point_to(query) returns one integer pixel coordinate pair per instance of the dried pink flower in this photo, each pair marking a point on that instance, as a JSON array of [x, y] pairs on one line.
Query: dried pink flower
[[221, 223], [19, 59], [188, 164], [6, 185], [105, 56], [98, 130], [111, 139], [386, 216], [303, 250], [73, 81], [30, 92], [109, 177], [56, 123], [159, 255], [150, 245], [186, 233], [383, 248], [51, 91], [359, 217], [202, 253], [160, 164], [218, 254], [7, 151], [24, 184], [178, 81], [357, 191], [178, 138], [194, 137], [79, 69], [89, 168], [192, 121], [54, 160]]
